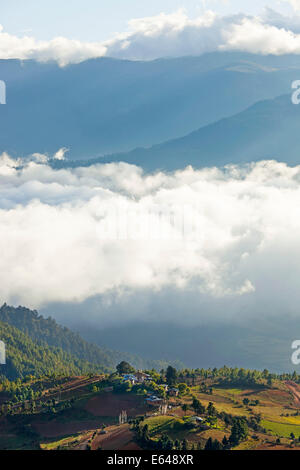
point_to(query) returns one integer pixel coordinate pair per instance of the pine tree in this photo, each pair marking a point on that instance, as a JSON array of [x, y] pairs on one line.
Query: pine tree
[[209, 444]]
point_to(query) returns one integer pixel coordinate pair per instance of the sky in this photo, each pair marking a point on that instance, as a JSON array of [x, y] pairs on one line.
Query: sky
[[99, 20], [174, 28]]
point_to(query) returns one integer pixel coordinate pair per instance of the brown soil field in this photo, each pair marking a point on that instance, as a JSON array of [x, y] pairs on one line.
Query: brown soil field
[[295, 389], [117, 438], [110, 404], [75, 384], [277, 396]]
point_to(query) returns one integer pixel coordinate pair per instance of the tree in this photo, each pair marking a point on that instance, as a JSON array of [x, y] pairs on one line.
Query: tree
[[169, 445], [239, 432], [182, 388], [209, 444], [211, 410], [225, 442], [270, 381], [145, 433], [171, 376], [124, 368], [217, 445], [246, 401], [184, 445], [197, 406], [212, 420], [177, 445], [292, 435], [213, 445]]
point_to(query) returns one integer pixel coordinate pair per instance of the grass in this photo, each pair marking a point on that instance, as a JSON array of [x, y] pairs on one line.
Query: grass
[[247, 445], [63, 442], [232, 391], [281, 429], [214, 434], [227, 407], [160, 424], [174, 427], [291, 420]]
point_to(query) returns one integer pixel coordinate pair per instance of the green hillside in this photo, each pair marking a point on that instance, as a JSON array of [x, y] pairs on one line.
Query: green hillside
[[47, 331], [24, 357]]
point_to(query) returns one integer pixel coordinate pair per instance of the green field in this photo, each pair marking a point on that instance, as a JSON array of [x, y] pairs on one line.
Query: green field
[[58, 443], [161, 424], [281, 429]]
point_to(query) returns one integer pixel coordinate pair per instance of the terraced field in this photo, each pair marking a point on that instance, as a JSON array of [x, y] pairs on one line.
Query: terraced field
[[92, 420]]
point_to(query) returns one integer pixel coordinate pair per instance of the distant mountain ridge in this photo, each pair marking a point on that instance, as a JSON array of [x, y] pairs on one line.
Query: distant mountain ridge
[[267, 130], [105, 106]]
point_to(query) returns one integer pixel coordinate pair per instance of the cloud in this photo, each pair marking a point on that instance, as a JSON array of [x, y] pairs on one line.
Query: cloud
[[168, 35], [294, 3], [60, 49], [60, 154], [224, 236], [253, 36]]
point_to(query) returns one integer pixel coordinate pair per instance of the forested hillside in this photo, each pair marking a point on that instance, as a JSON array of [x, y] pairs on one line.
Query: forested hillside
[[47, 331], [24, 357]]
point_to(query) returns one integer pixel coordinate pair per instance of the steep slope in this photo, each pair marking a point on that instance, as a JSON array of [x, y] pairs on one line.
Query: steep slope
[[47, 331], [26, 357], [105, 105]]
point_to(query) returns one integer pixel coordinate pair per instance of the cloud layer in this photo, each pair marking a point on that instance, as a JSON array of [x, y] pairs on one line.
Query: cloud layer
[[71, 235], [169, 35], [295, 4]]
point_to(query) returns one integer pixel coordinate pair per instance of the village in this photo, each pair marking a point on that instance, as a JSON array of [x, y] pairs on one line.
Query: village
[[172, 409], [152, 399]]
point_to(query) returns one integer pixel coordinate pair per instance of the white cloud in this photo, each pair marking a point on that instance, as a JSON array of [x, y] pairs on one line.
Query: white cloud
[[252, 35], [169, 35], [294, 3], [54, 244], [60, 154], [60, 49]]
